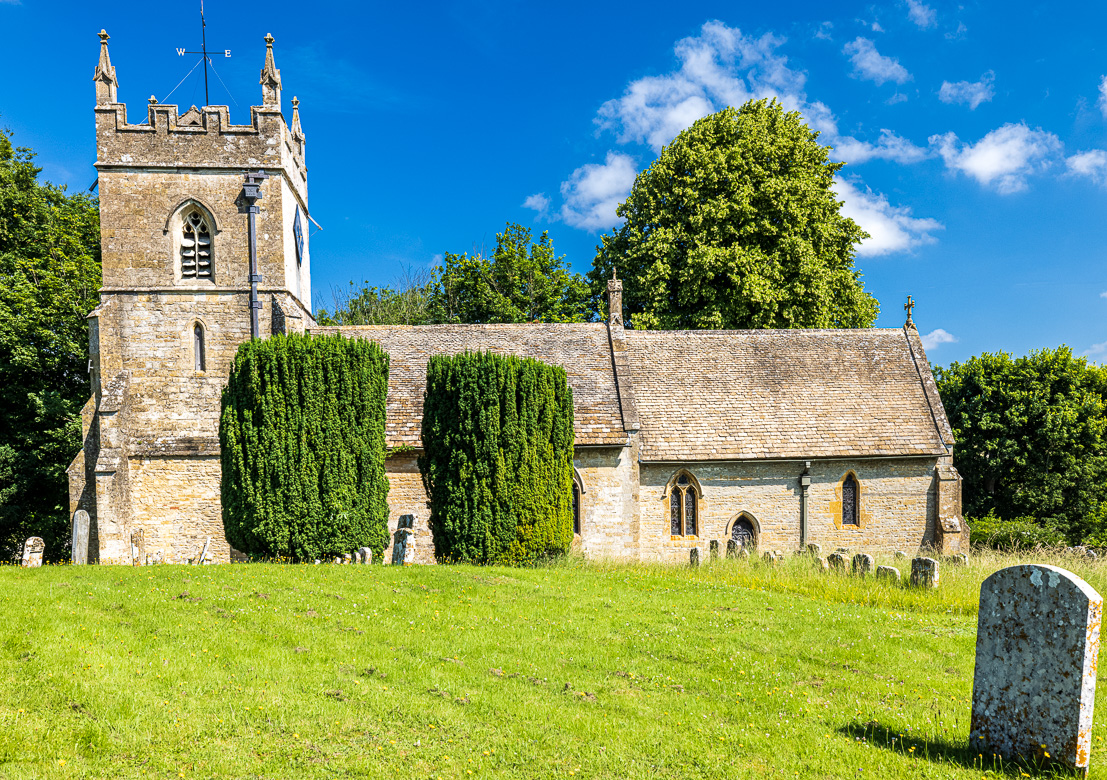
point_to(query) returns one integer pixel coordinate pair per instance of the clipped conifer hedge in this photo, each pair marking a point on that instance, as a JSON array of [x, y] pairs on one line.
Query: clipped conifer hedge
[[497, 460], [302, 437]]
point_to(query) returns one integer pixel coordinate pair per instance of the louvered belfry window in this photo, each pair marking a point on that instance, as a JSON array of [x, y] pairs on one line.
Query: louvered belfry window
[[849, 501], [683, 508], [195, 247]]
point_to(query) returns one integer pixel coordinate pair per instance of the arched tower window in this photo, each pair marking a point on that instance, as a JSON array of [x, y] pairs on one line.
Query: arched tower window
[[196, 245], [198, 349], [851, 508], [684, 507]]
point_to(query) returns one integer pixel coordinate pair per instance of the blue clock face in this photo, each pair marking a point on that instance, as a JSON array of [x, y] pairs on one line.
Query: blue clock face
[[298, 232]]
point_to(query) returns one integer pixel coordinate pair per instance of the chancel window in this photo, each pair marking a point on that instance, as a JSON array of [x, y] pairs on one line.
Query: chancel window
[[742, 533], [195, 246], [683, 507], [198, 348], [576, 508], [850, 505]]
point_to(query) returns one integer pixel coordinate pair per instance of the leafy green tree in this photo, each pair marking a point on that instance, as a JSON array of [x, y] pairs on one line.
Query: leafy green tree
[[49, 280], [302, 447], [1031, 439], [523, 281], [409, 303], [736, 226], [497, 460]]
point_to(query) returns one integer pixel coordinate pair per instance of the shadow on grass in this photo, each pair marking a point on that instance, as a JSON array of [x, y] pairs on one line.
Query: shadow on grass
[[943, 750]]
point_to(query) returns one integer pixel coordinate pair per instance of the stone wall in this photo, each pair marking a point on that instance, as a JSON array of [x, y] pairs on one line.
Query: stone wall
[[175, 501], [406, 496], [896, 502], [608, 505]]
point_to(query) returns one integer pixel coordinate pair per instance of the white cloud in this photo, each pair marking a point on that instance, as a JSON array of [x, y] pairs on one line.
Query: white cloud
[[538, 202], [889, 147], [876, 27], [1102, 102], [593, 191], [823, 31], [972, 92], [1103, 294], [1097, 352], [921, 14], [1003, 158], [870, 64], [957, 34], [890, 228], [935, 337], [1092, 164]]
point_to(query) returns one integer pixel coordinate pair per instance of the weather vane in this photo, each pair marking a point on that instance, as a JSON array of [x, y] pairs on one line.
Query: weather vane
[[203, 50]]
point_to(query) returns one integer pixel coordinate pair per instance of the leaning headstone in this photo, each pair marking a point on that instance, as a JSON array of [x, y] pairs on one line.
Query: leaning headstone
[[924, 572], [900, 554], [366, 555], [1037, 643], [890, 573], [714, 548], [862, 564], [731, 549], [837, 561], [80, 537], [814, 549], [694, 556], [32, 552]]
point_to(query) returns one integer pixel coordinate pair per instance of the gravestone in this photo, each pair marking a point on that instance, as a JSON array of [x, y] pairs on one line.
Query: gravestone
[[862, 564], [403, 541], [823, 564], [366, 555], [890, 573], [694, 556], [138, 547], [773, 557], [347, 558], [960, 559], [900, 554], [743, 554], [924, 572], [731, 549], [32, 552], [837, 561], [1037, 643], [80, 537], [714, 548], [814, 549]]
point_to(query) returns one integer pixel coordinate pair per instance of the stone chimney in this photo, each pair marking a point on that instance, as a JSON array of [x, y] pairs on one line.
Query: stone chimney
[[107, 86], [614, 302], [270, 78]]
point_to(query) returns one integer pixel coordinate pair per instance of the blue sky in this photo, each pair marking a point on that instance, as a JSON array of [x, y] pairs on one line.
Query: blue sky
[[975, 133]]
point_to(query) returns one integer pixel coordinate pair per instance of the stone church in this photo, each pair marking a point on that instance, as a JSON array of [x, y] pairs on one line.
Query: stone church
[[772, 438]]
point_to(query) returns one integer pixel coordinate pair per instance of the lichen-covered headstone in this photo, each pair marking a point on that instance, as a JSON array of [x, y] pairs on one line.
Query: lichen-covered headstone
[[924, 572], [890, 573], [960, 559], [32, 552], [713, 547], [822, 564], [694, 556], [900, 554], [406, 521], [1037, 643], [366, 555], [731, 549], [80, 537], [814, 550], [837, 561], [862, 564]]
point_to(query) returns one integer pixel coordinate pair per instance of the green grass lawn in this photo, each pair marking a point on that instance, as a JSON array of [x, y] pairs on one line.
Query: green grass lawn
[[573, 670]]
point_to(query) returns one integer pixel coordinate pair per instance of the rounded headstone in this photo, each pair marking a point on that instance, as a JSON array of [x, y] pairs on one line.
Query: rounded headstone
[[924, 572], [1037, 643]]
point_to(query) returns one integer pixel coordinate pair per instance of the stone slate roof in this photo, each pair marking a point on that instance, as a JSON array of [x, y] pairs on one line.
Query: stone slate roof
[[583, 350], [723, 395], [703, 395]]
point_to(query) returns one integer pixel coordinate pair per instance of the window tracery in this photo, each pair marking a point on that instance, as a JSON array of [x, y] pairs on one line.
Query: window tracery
[[196, 246], [850, 505], [683, 507]]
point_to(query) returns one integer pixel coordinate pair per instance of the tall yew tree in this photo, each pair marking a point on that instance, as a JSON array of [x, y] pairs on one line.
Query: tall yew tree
[[736, 225], [302, 437], [497, 458], [49, 282]]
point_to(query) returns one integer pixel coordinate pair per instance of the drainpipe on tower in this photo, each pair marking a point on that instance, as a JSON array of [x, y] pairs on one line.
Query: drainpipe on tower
[[251, 194], [805, 484]]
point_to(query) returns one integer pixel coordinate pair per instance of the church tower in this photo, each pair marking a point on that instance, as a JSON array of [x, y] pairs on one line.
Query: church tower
[[186, 280]]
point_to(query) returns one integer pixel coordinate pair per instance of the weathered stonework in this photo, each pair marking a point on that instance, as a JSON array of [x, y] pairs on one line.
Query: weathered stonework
[[767, 434], [1037, 645]]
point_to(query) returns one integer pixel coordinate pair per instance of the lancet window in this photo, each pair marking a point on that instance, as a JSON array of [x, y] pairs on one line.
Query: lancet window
[[851, 508], [196, 246], [198, 349], [683, 507]]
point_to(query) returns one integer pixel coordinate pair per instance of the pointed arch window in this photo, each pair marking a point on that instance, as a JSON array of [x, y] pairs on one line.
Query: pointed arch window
[[199, 351], [851, 509], [684, 506], [196, 245]]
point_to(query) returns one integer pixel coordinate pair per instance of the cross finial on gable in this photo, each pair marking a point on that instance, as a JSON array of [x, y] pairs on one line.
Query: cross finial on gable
[[908, 308]]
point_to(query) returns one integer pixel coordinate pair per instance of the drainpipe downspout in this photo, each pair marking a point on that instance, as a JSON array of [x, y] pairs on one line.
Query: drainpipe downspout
[[251, 194], [805, 484]]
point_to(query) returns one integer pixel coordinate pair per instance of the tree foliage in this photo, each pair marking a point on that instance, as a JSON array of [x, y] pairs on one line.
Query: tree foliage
[[736, 225], [49, 280], [1031, 439], [408, 303], [497, 460], [302, 438]]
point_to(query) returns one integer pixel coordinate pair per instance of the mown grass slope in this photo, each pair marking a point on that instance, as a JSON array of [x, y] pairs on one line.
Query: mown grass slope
[[582, 670]]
